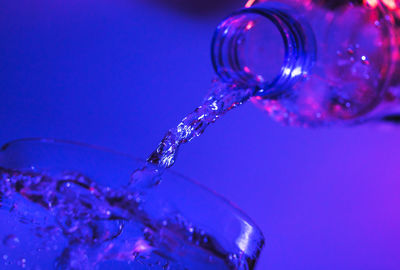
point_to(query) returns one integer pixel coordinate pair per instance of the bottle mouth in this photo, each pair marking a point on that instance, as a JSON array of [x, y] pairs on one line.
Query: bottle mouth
[[265, 47]]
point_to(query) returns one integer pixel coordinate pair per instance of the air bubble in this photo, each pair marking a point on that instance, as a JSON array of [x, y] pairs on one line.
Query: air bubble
[[11, 241], [365, 60], [22, 262], [351, 50]]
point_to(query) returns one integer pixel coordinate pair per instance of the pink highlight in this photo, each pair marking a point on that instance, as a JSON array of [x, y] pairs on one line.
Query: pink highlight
[[371, 3], [141, 246], [250, 3], [249, 25], [391, 4]]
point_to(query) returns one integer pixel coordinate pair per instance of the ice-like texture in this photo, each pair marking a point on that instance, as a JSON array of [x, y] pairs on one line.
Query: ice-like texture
[[67, 221]]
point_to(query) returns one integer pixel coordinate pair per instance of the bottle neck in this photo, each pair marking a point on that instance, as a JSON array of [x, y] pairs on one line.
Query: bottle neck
[[265, 46]]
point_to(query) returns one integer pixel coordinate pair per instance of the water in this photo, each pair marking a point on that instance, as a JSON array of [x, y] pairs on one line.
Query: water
[[69, 217], [87, 226], [222, 98]]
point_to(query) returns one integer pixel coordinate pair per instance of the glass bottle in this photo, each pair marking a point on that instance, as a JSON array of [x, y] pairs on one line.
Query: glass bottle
[[314, 62]]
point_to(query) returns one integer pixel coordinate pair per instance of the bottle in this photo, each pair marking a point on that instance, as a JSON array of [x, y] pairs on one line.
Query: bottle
[[314, 62]]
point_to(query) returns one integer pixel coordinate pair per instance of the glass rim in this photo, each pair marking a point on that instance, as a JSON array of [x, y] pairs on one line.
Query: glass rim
[[46, 140]]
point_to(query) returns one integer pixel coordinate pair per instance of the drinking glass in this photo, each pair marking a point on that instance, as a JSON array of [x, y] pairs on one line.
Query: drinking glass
[[66, 205]]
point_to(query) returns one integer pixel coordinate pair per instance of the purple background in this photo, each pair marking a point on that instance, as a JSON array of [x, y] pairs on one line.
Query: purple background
[[120, 73]]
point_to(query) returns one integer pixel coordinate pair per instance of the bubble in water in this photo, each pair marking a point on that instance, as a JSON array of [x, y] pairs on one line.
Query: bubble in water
[[351, 50], [22, 262], [205, 239], [365, 60], [11, 241]]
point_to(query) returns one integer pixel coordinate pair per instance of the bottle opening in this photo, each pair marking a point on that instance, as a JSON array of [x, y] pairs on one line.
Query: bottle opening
[[264, 47], [261, 49]]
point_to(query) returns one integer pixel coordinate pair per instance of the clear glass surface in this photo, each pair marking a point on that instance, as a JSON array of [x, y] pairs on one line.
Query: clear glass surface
[[69, 206]]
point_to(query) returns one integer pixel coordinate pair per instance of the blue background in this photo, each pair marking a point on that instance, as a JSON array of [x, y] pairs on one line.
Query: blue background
[[120, 73]]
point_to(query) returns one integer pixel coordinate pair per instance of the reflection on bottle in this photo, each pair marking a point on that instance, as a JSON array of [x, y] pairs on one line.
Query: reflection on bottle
[[314, 62]]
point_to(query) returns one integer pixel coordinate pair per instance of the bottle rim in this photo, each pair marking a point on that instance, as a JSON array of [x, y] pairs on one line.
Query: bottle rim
[[299, 50]]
